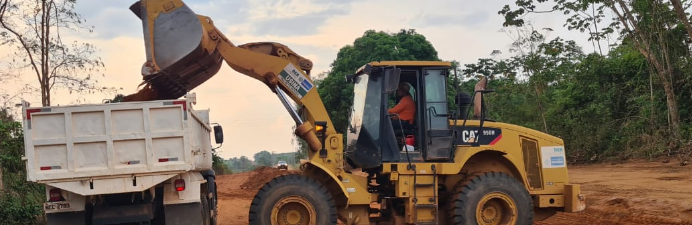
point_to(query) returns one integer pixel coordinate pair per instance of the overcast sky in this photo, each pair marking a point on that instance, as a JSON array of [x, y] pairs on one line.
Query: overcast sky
[[252, 116]]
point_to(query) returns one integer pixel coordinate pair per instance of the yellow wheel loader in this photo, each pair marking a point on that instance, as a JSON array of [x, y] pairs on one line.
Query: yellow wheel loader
[[446, 168]]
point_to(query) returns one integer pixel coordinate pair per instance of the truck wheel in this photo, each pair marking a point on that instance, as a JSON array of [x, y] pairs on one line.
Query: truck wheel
[[491, 198], [206, 212], [213, 201], [292, 199]]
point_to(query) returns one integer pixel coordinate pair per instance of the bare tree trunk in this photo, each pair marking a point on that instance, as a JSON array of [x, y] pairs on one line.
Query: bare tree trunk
[[642, 43], [682, 16], [45, 49], [540, 106]]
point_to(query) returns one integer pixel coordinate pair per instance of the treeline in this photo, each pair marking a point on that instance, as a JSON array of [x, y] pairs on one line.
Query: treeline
[[604, 106], [631, 101], [263, 158]]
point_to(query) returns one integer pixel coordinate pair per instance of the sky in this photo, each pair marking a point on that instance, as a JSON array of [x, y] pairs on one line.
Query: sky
[[252, 116]]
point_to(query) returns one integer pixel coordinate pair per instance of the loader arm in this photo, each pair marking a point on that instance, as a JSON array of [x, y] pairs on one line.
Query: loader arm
[[184, 50]]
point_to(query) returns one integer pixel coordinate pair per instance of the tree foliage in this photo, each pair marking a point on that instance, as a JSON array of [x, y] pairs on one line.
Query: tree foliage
[[263, 158], [337, 94], [219, 164], [36, 30], [650, 26], [20, 200], [239, 165], [617, 105]]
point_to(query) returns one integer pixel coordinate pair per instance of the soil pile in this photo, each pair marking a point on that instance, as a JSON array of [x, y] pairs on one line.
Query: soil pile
[[145, 94], [262, 175]]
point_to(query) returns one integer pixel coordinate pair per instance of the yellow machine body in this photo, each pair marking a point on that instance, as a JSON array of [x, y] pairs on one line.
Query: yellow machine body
[[419, 187]]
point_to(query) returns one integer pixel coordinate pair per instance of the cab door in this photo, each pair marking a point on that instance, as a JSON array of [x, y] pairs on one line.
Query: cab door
[[437, 128]]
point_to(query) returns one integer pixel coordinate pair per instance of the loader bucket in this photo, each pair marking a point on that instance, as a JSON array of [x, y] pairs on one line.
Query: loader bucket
[[174, 41]]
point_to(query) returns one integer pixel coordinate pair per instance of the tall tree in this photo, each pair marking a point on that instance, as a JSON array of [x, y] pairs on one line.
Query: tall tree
[[337, 95], [35, 28], [645, 23]]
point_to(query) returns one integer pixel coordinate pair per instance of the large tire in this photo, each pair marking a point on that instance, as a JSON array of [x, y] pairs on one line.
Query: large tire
[[491, 198], [293, 199], [206, 212], [213, 205]]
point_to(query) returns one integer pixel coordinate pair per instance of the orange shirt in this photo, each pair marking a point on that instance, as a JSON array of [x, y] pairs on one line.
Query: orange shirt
[[405, 108]]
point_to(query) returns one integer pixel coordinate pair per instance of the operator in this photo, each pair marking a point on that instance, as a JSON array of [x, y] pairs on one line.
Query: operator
[[405, 109]]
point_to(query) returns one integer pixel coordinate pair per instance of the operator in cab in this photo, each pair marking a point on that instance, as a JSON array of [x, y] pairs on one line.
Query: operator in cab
[[405, 108]]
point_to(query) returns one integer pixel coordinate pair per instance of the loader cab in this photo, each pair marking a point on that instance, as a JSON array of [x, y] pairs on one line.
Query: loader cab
[[371, 138]]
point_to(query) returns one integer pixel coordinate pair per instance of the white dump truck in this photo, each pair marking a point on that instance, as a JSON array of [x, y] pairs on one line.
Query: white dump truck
[[143, 162]]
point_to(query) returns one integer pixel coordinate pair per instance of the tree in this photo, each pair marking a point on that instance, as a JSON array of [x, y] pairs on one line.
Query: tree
[[21, 200], [337, 95], [244, 163], [647, 24], [263, 158], [117, 98], [218, 164], [35, 29]]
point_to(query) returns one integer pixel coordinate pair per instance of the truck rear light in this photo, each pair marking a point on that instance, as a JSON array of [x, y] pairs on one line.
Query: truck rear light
[[179, 185], [54, 195], [168, 159], [30, 111], [183, 103], [50, 167]]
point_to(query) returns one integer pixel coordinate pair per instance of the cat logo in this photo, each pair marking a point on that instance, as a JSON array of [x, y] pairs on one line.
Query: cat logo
[[469, 135]]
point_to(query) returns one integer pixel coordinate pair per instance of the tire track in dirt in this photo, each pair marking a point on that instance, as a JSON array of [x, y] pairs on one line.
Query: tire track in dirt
[[614, 218]]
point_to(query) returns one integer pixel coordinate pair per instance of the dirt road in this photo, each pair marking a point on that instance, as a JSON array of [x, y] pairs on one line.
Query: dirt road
[[633, 193]]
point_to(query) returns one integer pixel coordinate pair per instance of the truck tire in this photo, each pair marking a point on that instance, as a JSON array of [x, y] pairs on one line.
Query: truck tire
[[491, 198], [206, 212], [292, 199], [213, 200]]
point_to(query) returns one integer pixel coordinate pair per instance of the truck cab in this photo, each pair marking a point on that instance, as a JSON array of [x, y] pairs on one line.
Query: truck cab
[[372, 135]]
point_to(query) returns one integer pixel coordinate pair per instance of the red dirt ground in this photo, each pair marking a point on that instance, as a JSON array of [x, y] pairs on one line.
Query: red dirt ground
[[632, 193]]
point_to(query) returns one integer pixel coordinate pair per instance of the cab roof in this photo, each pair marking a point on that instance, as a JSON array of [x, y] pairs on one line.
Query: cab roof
[[405, 63]]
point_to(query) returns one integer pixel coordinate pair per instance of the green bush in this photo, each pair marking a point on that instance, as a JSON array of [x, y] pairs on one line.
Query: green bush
[[21, 200]]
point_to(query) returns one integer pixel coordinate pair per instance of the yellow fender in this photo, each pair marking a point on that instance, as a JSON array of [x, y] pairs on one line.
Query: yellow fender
[[336, 179]]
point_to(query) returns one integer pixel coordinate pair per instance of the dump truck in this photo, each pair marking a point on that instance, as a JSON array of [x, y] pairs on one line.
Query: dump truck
[[146, 162], [448, 167]]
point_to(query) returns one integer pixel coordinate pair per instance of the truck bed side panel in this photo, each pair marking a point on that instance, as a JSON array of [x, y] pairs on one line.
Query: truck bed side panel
[[105, 140]]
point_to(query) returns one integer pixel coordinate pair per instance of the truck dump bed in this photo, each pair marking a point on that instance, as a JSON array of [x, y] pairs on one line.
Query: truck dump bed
[[104, 141]]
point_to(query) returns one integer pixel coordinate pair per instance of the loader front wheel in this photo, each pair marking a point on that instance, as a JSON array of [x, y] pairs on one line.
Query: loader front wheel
[[491, 198], [292, 199]]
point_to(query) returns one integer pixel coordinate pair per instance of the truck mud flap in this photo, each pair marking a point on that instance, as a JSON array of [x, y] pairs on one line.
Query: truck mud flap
[[123, 214], [183, 214], [66, 218]]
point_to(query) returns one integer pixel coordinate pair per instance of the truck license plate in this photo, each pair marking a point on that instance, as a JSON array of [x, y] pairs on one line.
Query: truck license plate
[[55, 206]]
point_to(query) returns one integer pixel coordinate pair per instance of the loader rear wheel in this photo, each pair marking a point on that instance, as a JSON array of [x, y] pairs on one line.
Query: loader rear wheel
[[491, 198], [292, 200]]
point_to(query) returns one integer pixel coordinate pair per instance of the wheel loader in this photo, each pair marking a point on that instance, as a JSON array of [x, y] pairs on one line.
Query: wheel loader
[[448, 167]]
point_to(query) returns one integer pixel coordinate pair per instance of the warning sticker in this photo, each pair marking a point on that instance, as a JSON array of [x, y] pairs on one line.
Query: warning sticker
[[553, 156], [295, 81]]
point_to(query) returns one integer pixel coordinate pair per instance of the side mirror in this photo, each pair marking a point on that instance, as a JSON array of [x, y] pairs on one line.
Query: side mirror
[[391, 76], [350, 77], [218, 134]]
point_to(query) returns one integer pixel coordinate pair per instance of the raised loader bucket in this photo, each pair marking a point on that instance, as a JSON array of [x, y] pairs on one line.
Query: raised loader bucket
[[176, 59]]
